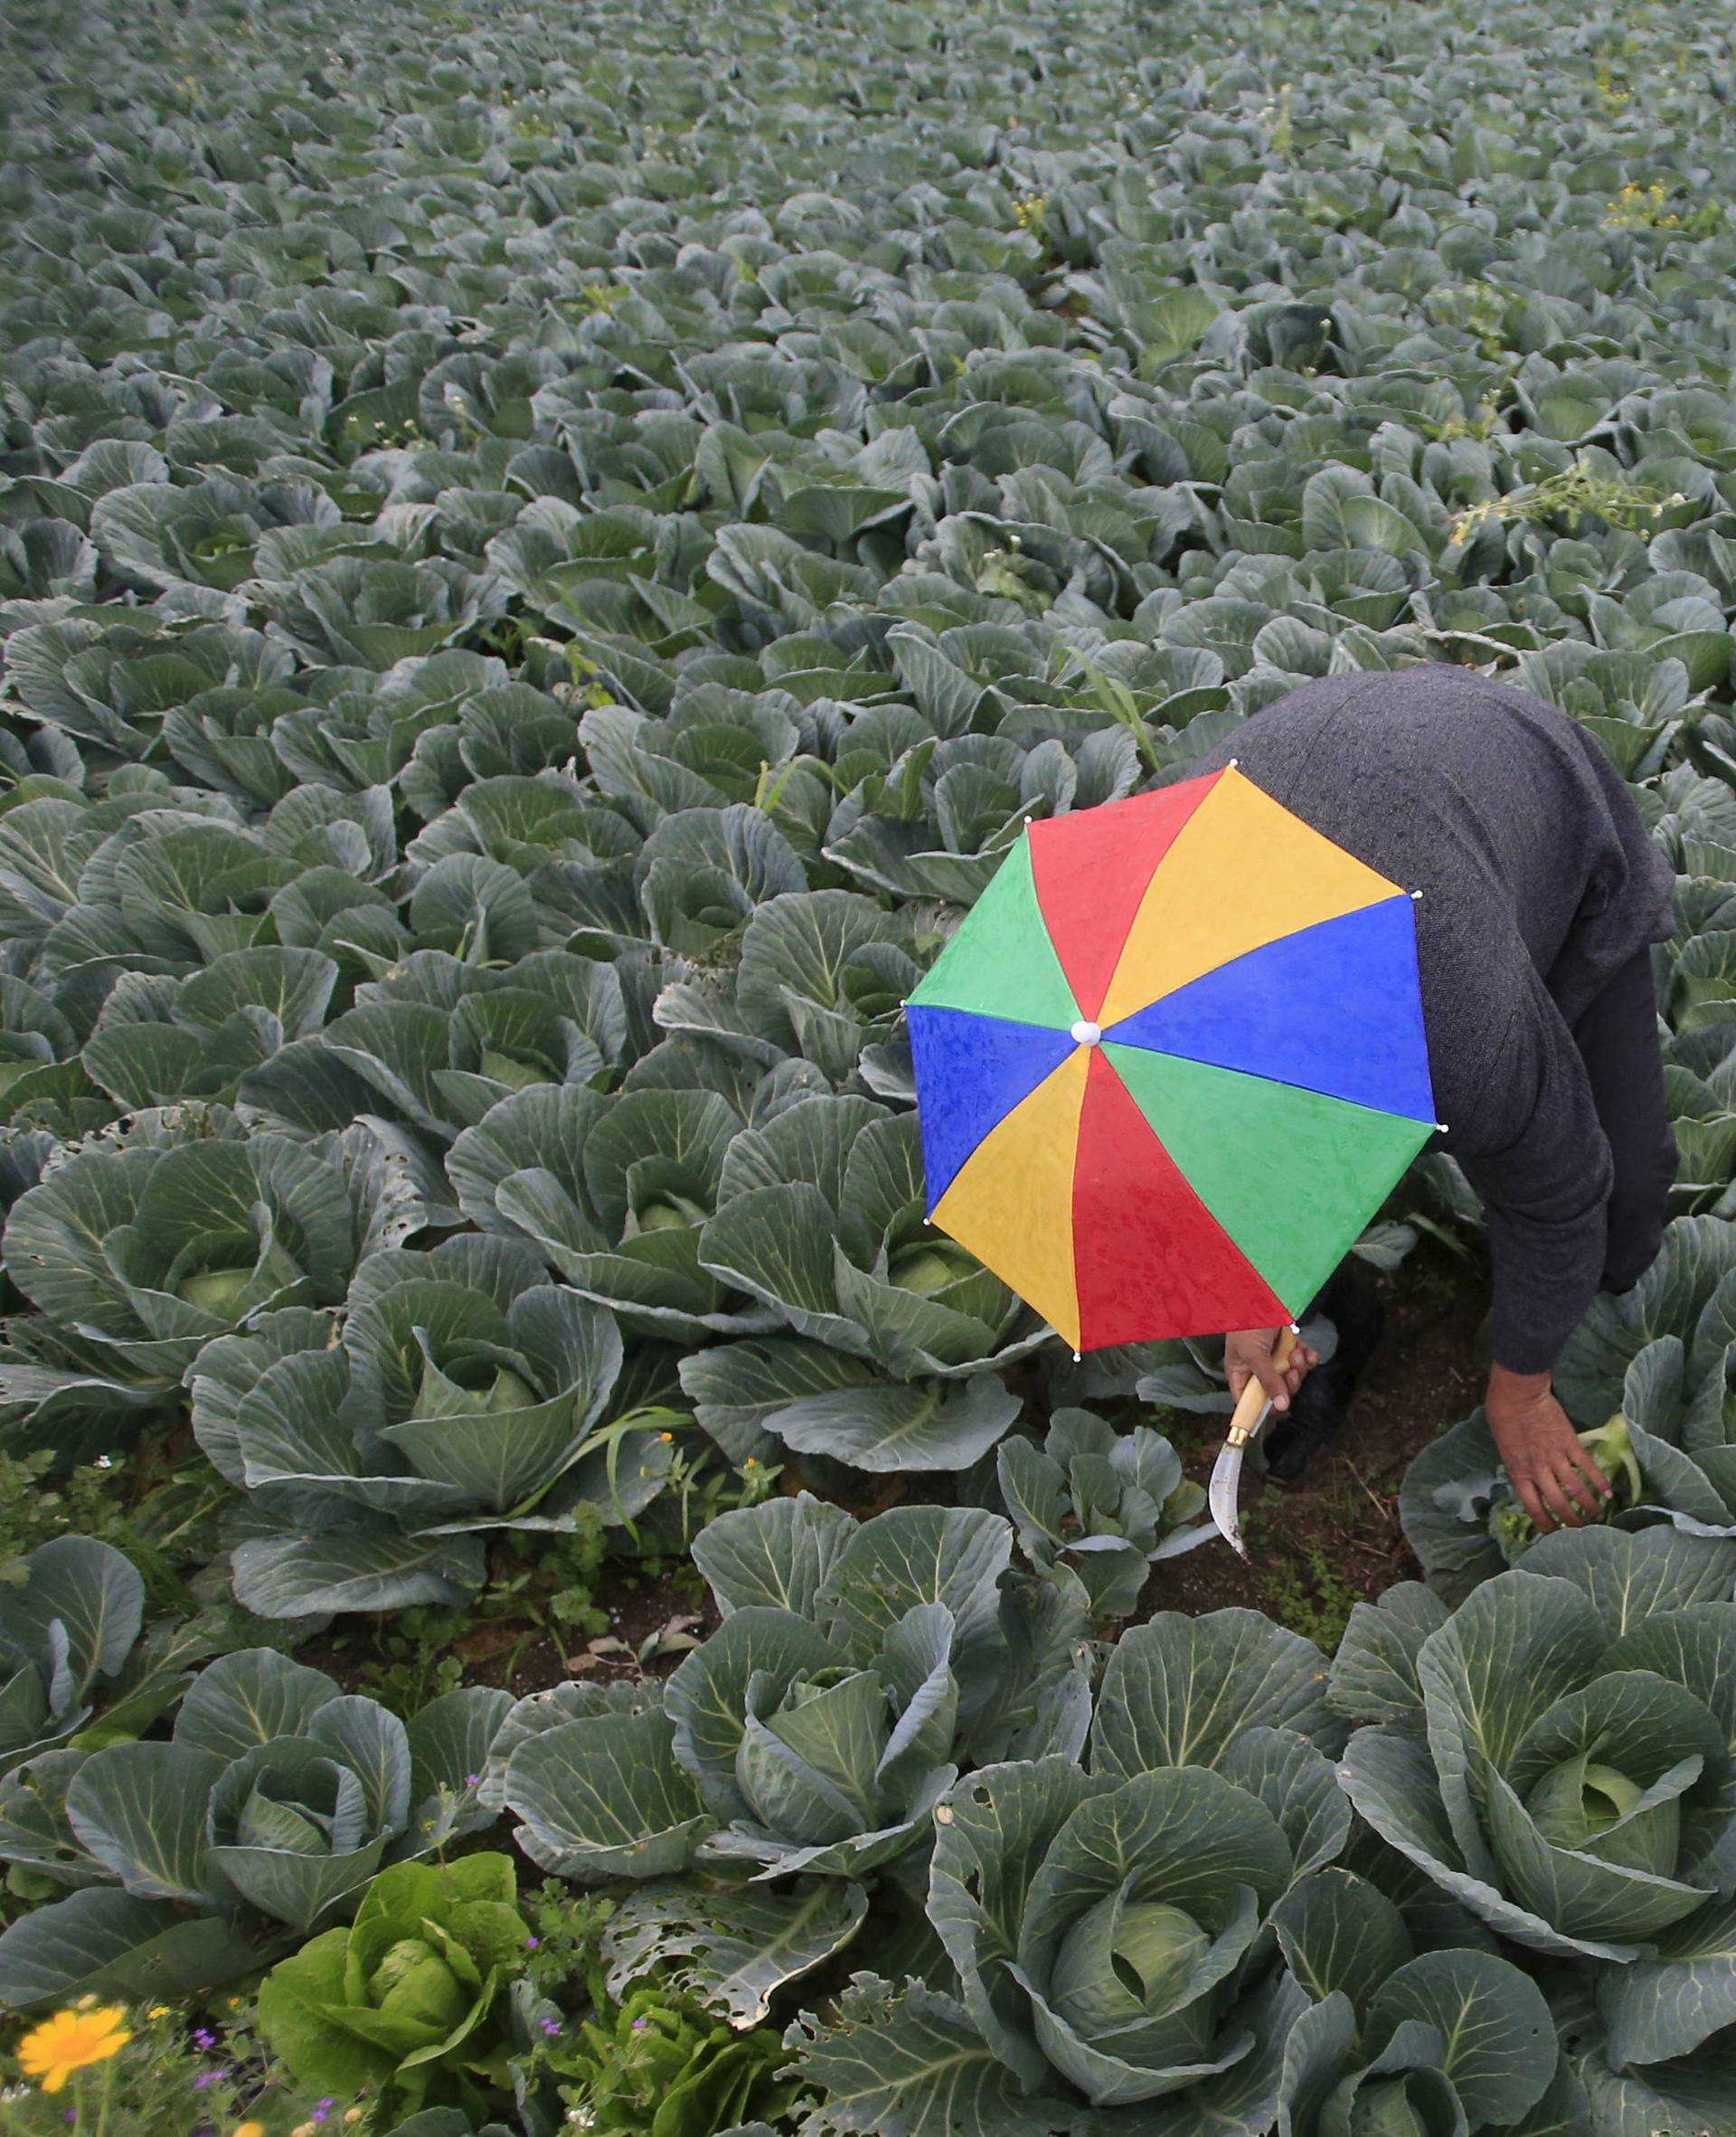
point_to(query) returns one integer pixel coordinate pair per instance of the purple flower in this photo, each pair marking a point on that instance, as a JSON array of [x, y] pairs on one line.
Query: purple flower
[[209, 2077], [470, 1780], [322, 2110], [531, 1943], [69, 2114], [551, 2026], [638, 2024], [202, 2038]]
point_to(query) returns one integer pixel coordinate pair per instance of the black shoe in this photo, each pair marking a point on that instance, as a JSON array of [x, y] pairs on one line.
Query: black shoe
[[1319, 1407]]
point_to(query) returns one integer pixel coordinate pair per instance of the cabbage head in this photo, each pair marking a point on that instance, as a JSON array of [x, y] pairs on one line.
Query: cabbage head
[[1100, 1507], [613, 1191], [67, 1625], [274, 1802], [1110, 1912], [464, 1396], [138, 1255], [857, 1669], [1556, 1755], [1403, 2043], [477, 1011], [1109, 1934], [892, 1339]]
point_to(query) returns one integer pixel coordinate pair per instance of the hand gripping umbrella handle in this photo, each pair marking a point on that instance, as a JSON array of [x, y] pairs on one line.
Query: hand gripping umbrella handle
[[1252, 1404]]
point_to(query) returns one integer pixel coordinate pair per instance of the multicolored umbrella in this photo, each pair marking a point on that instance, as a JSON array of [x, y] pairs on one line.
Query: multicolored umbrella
[[1171, 1064]]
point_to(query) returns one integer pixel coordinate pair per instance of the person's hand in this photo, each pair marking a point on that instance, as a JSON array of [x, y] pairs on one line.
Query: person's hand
[[1556, 1479], [1247, 1355]]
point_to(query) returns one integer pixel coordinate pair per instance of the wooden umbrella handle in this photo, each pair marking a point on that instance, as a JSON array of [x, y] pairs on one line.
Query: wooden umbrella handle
[[1253, 1395]]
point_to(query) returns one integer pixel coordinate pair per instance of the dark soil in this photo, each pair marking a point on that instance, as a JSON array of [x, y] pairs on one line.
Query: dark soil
[[637, 1616], [1332, 1538], [652, 1623]]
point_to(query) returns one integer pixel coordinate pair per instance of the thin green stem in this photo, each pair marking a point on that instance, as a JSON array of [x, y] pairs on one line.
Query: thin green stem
[[108, 2069]]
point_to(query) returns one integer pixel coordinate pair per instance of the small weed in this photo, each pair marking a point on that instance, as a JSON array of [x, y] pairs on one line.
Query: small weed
[[571, 1564], [1437, 1286], [1482, 422], [1612, 96], [687, 1584], [622, 2067], [552, 1591], [1302, 1588], [1477, 308], [506, 638], [699, 1487], [1029, 212], [1572, 493], [588, 687], [1309, 1596], [597, 299], [1281, 127], [552, 1587], [567, 1928], [406, 436], [1109, 694], [30, 1515], [1186, 1433], [662, 2062], [1647, 207], [421, 1666], [164, 1524], [1004, 576]]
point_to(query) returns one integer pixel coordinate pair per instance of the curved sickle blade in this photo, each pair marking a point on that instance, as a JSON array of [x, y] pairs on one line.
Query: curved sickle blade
[[1225, 1488], [1222, 1495]]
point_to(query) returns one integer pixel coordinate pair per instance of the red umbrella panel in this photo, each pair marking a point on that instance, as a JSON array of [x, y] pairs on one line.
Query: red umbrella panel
[[1171, 1062]]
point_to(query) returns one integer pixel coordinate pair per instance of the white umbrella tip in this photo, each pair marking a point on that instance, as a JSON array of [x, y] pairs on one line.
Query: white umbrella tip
[[1086, 1034]]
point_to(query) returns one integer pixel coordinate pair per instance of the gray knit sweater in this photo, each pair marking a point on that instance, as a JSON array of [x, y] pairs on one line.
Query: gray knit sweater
[[1539, 881]]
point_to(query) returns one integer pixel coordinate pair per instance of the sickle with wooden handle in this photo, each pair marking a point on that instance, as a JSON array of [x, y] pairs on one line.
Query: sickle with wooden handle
[[1251, 1413]]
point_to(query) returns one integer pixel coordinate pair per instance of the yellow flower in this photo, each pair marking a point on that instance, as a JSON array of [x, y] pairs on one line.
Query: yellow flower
[[158, 2011], [70, 2041], [249, 2128]]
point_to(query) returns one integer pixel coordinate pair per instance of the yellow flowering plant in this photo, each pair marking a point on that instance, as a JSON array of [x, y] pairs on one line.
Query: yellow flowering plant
[[153, 2070], [71, 2041]]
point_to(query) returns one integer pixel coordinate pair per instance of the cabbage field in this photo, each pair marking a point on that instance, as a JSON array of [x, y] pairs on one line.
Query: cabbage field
[[546, 554]]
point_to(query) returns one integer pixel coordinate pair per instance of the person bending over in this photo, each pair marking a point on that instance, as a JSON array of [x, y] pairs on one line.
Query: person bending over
[[1542, 894]]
